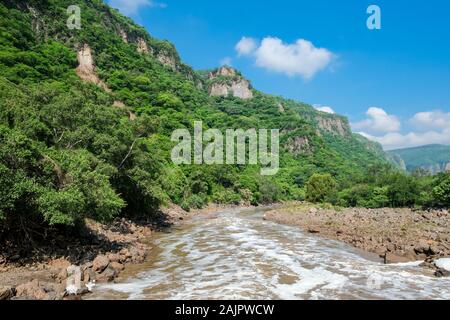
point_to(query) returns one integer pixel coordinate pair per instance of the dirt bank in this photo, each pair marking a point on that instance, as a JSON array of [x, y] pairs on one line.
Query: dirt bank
[[397, 235]]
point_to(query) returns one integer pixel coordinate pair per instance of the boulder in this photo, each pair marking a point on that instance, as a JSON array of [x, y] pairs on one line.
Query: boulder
[[100, 263], [113, 257], [32, 289], [422, 247], [88, 276], [313, 230], [7, 293], [440, 273], [118, 267], [393, 258], [107, 275]]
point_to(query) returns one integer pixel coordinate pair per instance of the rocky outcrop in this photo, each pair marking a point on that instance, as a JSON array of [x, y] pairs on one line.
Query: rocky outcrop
[[167, 60], [226, 81], [298, 145], [86, 67], [142, 47], [123, 35], [333, 125]]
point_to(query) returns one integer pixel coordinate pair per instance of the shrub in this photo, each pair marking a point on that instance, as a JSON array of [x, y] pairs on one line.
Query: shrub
[[320, 187]]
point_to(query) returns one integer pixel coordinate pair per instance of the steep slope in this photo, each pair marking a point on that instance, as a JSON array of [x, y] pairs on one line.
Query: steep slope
[[100, 104], [432, 158]]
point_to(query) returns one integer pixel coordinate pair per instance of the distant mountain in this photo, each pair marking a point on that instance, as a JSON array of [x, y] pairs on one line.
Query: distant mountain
[[434, 158]]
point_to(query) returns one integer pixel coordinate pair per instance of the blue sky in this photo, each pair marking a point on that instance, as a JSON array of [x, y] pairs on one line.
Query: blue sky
[[393, 84]]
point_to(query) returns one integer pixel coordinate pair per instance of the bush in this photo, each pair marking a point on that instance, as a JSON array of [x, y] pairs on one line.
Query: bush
[[193, 202], [441, 192], [226, 196], [320, 187]]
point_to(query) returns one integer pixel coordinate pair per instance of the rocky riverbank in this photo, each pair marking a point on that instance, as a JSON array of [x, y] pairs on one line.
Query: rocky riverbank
[[68, 268], [396, 235]]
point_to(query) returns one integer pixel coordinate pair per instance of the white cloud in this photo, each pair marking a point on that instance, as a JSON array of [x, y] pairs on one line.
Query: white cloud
[[432, 127], [246, 46], [131, 7], [431, 120], [301, 58], [395, 140], [227, 61], [379, 121], [325, 109]]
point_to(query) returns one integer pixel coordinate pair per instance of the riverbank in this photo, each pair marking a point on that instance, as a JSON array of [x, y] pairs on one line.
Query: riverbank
[[101, 254], [396, 235]]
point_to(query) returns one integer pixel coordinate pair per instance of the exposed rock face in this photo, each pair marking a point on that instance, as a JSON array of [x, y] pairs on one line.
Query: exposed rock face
[[219, 90], [143, 47], [167, 60], [333, 125], [119, 104], [233, 84], [224, 71], [86, 67], [299, 145], [123, 35], [241, 89], [281, 108]]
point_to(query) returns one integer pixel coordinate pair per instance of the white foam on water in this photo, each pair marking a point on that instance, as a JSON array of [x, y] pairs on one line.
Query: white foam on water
[[443, 263], [240, 256]]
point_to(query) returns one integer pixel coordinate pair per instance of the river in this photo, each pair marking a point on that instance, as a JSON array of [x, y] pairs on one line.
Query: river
[[235, 254]]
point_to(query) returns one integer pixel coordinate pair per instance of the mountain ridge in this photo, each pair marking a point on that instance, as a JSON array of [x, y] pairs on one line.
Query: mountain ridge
[[434, 158]]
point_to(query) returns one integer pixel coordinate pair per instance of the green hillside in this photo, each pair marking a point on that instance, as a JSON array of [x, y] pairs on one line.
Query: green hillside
[[433, 158], [86, 118]]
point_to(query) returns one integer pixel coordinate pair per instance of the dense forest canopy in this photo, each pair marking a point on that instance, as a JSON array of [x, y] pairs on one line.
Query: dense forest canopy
[[72, 149]]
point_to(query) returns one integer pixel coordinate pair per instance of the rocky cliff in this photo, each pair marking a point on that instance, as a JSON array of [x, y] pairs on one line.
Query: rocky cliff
[[227, 81]]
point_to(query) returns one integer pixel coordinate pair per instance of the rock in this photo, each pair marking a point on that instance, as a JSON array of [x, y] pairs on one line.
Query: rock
[[422, 247], [313, 230], [313, 210], [107, 275], [393, 258], [100, 263], [113, 257], [88, 276], [125, 255], [62, 275], [390, 247], [440, 273], [117, 266], [7, 293], [60, 263], [435, 249], [14, 258], [32, 289]]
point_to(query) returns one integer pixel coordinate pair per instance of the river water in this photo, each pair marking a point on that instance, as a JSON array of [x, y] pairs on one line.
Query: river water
[[235, 254]]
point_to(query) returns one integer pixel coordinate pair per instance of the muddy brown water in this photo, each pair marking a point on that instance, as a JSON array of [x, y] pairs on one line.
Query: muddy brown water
[[235, 254]]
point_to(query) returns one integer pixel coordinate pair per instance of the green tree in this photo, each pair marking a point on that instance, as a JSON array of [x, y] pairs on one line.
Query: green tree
[[320, 187]]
